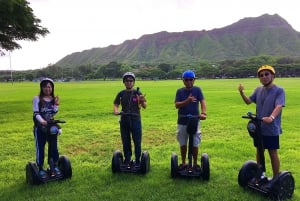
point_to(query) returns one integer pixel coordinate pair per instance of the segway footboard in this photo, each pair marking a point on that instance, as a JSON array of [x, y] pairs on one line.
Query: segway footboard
[[119, 166]]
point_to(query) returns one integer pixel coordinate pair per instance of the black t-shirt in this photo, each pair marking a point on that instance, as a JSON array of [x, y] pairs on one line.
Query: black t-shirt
[[128, 101]]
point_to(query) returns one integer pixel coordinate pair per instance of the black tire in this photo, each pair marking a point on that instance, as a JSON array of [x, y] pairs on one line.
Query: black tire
[[174, 165], [116, 161], [282, 186], [248, 171], [64, 165], [205, 166], [145, 162], [31, 174]]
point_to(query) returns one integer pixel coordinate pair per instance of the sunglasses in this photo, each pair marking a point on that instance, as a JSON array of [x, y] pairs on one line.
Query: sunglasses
[[128, 80], [189, 79], [264, 74]]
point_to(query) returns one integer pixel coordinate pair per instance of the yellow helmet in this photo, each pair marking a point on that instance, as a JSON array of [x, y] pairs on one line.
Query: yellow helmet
[[266, 67]]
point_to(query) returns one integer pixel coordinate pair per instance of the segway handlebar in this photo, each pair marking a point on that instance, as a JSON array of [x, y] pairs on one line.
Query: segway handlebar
[[190, 116], [250, 115], [55, 121], [128, 114]]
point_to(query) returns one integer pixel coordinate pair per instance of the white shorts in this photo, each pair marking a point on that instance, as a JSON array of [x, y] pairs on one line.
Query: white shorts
[[182, 135]]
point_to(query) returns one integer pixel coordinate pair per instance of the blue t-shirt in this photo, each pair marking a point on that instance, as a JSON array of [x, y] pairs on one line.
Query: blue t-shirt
[[192, 108], [266, 99]]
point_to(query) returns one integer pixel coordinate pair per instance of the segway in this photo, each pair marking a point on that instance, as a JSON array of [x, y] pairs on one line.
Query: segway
[[64, 164], [189, 171], [252, 175], [118, 165]]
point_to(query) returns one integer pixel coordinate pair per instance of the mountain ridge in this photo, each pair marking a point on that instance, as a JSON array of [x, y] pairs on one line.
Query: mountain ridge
[[252, 36]]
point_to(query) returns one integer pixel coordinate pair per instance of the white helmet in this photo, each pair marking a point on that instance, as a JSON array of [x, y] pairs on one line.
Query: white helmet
[[128, 74], [48, 80]]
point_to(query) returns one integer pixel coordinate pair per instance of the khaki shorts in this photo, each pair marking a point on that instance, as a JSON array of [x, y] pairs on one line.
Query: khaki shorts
[[182, 135]]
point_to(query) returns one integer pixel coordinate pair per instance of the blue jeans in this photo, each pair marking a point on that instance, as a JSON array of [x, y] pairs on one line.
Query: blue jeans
[[40, 142], [128, 126]]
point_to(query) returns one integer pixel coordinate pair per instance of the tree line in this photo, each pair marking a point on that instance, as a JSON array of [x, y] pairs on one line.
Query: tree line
[[284, 66]]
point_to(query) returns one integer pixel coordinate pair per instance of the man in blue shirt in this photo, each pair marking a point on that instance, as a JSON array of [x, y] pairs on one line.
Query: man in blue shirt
[[269, 100], [187, 102]]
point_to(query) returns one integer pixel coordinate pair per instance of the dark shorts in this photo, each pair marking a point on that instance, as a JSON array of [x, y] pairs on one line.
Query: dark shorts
[[269, 142]]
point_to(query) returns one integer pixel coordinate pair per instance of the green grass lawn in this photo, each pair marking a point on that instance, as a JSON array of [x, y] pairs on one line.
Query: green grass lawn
[[91, 135]]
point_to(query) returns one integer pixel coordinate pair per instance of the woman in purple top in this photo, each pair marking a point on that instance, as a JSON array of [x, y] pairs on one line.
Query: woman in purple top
[[45, 106]]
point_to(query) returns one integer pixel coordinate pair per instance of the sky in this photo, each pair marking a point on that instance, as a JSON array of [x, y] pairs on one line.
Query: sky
[[78, 25]]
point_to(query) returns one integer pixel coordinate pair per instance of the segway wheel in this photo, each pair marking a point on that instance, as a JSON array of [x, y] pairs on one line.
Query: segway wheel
[[145, 162], [283, 186], [31, 174], [205, 166], [64, 165], [116, 161], [248, 171], [174, 165]]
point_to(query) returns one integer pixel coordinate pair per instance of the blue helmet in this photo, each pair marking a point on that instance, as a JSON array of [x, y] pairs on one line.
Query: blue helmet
[[188, 74]]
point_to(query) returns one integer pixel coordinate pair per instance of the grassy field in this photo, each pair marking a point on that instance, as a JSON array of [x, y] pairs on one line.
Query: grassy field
[[91, 135]]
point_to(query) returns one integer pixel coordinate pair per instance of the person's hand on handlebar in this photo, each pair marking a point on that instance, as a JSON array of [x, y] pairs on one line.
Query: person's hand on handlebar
[[202, 116], [267, 120], [116, 110], [116, 113], [44, 123]]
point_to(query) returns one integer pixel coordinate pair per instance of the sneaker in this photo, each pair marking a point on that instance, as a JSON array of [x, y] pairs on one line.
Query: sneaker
[[190, 168], [57, 170], [197, 168], [182, 166], [42, 174], [126, 162], [137, 163]]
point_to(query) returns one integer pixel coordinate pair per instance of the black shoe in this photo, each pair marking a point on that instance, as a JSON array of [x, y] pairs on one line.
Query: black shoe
[[126, 162], [197, 168], [137, 163], [190, 168], [182, 167]]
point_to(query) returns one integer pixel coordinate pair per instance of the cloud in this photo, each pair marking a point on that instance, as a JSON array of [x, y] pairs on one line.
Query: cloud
[[79, 25]]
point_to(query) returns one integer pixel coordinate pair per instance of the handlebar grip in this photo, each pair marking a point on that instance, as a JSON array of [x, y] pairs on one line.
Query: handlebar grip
[[56, 121]]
